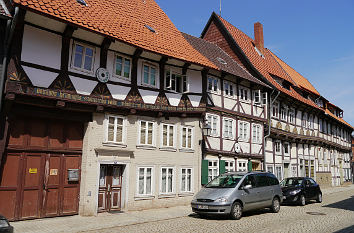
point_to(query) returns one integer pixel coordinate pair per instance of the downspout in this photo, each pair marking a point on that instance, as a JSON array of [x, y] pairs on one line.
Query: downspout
[[271, 102], [8, 38]]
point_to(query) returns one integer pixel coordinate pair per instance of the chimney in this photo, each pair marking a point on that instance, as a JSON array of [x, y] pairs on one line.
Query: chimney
[[258, 37]]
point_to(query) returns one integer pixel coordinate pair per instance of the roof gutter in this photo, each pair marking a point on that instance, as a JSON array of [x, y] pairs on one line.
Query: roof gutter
[[10, 28]]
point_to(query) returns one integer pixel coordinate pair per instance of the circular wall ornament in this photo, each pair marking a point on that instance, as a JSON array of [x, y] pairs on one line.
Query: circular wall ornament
[[102, 75], [237, 148]]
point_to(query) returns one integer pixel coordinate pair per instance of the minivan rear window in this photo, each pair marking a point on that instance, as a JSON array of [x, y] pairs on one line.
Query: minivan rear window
[[225, 181]]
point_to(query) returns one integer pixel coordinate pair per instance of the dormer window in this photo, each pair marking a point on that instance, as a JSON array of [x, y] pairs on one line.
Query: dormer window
[[176, 82], [82, 57]]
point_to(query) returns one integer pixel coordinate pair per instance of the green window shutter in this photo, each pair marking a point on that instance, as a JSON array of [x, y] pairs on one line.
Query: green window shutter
[[249, 165], [221, 166], [205, 164]]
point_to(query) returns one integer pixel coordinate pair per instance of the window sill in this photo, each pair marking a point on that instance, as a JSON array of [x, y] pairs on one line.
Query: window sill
[[167, 195], [168, 149], [114, 144], [257, 143], [245, 101], [147, 197], [77, 69], [228, 138], [147, 85], [121, 78], [186, 150], [185, 194], [146, 147]]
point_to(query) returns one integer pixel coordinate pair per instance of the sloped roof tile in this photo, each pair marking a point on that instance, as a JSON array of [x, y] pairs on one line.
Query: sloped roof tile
[[125, 21], [338, 118]]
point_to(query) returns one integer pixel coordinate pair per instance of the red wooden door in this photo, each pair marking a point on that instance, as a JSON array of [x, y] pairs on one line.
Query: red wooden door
[[110, 188]]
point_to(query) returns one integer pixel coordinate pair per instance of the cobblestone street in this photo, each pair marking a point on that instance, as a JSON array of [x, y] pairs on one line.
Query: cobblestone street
[[335, 214]]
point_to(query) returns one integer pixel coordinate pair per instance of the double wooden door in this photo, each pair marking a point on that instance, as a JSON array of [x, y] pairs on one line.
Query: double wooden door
[[110, 188]]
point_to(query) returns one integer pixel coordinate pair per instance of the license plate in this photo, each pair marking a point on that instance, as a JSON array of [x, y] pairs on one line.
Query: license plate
[[203, 207]]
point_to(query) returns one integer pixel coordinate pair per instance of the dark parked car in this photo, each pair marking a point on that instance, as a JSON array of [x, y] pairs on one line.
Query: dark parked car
[[5, 225], [300, 189]]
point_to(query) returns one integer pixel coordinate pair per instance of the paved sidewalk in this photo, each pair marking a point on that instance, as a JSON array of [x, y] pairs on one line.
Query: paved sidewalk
[[105, 220]]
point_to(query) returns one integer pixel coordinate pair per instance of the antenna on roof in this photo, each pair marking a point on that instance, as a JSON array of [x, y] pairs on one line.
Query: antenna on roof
[[220, 7]]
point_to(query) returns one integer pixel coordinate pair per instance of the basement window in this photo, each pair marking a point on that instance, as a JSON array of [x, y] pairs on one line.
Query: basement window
[[150, 28], [82, 2]]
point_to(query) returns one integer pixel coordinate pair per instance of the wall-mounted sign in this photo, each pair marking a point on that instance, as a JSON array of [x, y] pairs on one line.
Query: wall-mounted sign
[[53, 172], [102, 75], [32, 170]]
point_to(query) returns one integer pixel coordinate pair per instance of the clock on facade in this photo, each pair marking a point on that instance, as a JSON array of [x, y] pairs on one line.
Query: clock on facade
[[102, 75]]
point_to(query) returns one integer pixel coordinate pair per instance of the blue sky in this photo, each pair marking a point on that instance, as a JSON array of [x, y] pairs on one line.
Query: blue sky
[[314, 37]]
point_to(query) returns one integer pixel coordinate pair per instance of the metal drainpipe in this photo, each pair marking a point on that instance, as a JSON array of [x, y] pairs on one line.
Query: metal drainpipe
[[8, 37], [269, 120]]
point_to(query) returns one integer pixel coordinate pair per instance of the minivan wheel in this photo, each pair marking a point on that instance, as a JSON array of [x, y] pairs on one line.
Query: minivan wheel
[[236, 211], [302, 200], [319, 198], [275, 205]]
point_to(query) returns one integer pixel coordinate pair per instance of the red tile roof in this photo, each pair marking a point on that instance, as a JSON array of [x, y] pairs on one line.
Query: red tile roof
[[214, 53], [123, 20], [298, 78], [266, 65], [338, 118]]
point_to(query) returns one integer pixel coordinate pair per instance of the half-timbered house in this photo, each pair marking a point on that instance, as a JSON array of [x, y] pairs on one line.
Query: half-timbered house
[[104, 105], [294, 140], [236, 113]]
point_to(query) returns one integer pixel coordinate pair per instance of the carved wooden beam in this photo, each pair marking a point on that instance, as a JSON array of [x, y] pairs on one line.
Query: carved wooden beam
[[65, 46], [185, 67], [134, 77], [104, 51], [162, 65]]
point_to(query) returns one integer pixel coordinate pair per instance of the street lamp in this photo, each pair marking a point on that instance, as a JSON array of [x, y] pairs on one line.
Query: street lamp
[[206, 129]]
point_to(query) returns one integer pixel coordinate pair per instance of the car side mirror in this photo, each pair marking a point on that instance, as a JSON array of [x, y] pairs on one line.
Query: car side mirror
[[247, 187]]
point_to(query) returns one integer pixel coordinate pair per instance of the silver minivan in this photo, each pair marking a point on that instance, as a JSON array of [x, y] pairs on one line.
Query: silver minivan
[[233, 193]]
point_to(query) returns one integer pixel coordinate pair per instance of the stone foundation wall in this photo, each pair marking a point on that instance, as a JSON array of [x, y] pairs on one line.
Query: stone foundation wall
[[324, 179]]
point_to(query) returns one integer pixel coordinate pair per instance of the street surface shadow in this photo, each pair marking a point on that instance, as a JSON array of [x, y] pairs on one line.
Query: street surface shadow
[[346, 230], [347, 204], [227, 217]]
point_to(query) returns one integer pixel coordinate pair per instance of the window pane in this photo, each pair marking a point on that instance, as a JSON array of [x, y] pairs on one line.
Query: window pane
[[78, 60], [170, 179], [148, 180], [150, 125], [88, 63], [119, 136], [183, 185], [102, 176], [170, 139], [189, 138], [115, 178], [189, 180], [152, 76], [79, 49], [119, 61], [146, 74], [141, 181], [184, 137], [89, 52], [127, 68], [164, 180], [142, 132], [164, 135]]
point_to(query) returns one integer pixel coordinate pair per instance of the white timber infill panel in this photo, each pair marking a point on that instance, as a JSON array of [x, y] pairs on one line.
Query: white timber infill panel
[[118, 92], [214, 143], [149, 97], [95, 58], [83, 86], [195, 100], [228, 145], [216, 99], [229, 103], [258, 110], [269, 157], [40, 78], [256, 148], [268, 144], [195, 79], [41, 47], [278, 159], [245, 147], [173, 99]]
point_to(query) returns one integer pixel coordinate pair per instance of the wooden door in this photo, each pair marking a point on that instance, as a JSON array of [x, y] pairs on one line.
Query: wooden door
[[110, 187]]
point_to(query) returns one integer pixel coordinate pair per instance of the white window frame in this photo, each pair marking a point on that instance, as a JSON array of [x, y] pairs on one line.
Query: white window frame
[[124, 58], [229, 165], [167, 183], [310, 121], [213, 168], [85, 46], [277, 147], [281, 172], [304, 120], [243, 162], [214, 123], [291, 114], [229, 89], [275, 110], [283, 112], [227, 122], [186, 184], [264, 98], [168, 135], [187, 140], [257, 134], [152, 181], [115, 129], [213, 80], [243, 93], [243, 130], [146, 133], [257, 98], [183, 78], [150, 65]]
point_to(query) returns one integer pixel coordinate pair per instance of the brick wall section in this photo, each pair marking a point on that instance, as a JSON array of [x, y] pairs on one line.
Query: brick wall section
[[214, 35]]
